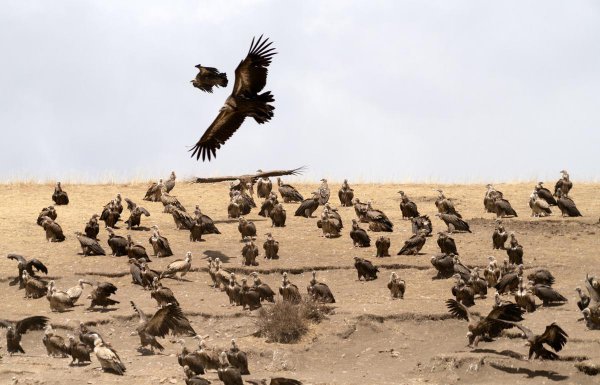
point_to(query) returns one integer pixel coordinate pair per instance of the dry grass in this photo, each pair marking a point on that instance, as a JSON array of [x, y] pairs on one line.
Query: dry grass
[[282, 322]]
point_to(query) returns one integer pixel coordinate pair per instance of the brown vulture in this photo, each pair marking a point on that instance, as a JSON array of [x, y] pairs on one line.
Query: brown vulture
[[209, 77], [509, 281], [499, 237], [89, 246], [346, 194], [365, 269], [503, 209], [244, 101], [396, 286], [539, 207], [308, 207], [361, 210], [24, 264], [264, 290], [238, 358], [492, 272], [249, 296], [541, 276], [421, 223], [554, 336], [383, 246], [183, 220], [101, 291], [135, 250], [110, 214], [444, 265], [464, 294], [208, 225], [170, 183], [289, 291], [584, 299], [547, 294], [278, 216], [407, 207], [413, 245], [323, 192], [79, 352], [246, 228], [271, 247], [268, 205], [160, 244], [54, 232], [445, 205], [288, 192], [190, 360], [229, 374], [319, 291], [249, 253], [489, 326], [49, 212], [154, 191], [515, 251], [168, 319], [454, 223], [359, 236], [567, 206], [491, 195], [524, 297], [377, 219], [54, 343], [446, 243], [169, 200], [34, 287], [162, 295], [117, 243], [15, 330], [564, 184], [92, 228], [263, 186], [135, 217], [59, 196], [545, 194]]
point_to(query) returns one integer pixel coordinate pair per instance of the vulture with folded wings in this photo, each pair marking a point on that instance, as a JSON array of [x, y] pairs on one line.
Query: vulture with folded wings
[[244, 101]]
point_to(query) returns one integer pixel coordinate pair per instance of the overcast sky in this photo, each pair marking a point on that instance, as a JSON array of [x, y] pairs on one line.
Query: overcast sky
[[378, 90]]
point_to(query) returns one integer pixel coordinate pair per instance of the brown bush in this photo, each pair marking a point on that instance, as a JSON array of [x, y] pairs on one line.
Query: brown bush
[[282, 322]]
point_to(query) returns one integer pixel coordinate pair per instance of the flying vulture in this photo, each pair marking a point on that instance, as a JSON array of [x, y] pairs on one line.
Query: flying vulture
[[244, 101], [209, 77], [554, 336]]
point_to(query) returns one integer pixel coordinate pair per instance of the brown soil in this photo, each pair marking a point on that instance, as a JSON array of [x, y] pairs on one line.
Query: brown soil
[[369, 339]]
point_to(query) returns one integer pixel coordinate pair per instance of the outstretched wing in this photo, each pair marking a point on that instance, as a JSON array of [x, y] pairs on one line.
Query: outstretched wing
[[31, 323], [458, 310], [555, 337], [18, 258], [144, 211], [169, 318], [39, 266], [251, 73], [221, 129], [267, 174], [527, 332]]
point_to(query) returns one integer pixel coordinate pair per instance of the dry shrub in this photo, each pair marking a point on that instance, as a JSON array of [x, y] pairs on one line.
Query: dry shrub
[[314, 311], [282, 322]]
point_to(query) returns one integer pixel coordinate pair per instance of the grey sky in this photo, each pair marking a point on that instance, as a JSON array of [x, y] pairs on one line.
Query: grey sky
[[377, 90]]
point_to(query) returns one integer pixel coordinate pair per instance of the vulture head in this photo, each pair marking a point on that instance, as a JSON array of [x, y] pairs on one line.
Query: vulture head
[[188, 256]]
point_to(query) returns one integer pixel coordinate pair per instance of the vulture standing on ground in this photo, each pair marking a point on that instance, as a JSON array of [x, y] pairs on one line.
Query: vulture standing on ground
[[444, 264], [544, 194], [567, 206], [89, 246], [346, 194], [54, 343], [490, 197], [492, 272], [330, 222], [59, 196], [160, 244], [181, 266], [263, 186], [135, 250], [499, 237], [377, 219], [183, 220], [539, 207], [396, 286], [264, 290], [365, 269], [509, 281], [117, 243], [168, 319], [229, 374], [524, 297], [319, 291], [554, 336], [169, 200], [564, 184], [422, 223], [383, 246], [49, 212], [323, 192], [359, 236], [246, 228], [34, 287], [515, 251], [208, 225], [407, 207], [196, 230], [110, 214], [249, 296], [289, 291], [59, 300], [190, 360], [446, 243], [454, 223], [100, 295], [238, 358], [154, 191], [503, 209], [135, 216], [445, 205], [288, 192], [547, 294], [209, 77], [92, 228], [108, 358], [268, 205], [308, 207], [464, 294], [361, 210], [244, 101], [271, 247], [162, 295], [24, 264], [541, 276], [170, 183], [79, 352], [413, 245], [489, 326], [54, 232], [15, 330], [278, 216], [249, 253]]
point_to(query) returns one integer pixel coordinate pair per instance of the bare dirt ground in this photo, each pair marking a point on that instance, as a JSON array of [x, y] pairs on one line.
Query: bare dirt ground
[[353, 346]]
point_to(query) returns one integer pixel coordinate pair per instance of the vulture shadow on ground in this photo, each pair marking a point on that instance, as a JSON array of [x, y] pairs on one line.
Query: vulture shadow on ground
[[108, 310], [505, 353], [140, 228], [180, 279], [216, 254], [551, 375]]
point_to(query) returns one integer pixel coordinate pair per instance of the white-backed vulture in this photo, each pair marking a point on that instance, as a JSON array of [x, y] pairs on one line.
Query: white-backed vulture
[[396, 286], [181, 266], [108, 358]]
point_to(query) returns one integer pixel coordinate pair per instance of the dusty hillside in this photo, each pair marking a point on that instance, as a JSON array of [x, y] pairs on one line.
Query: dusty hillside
[[354, 345]]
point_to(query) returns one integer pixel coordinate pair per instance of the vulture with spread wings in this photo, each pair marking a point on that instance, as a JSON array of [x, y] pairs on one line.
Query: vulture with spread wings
[[251, 178], [244, 101]]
